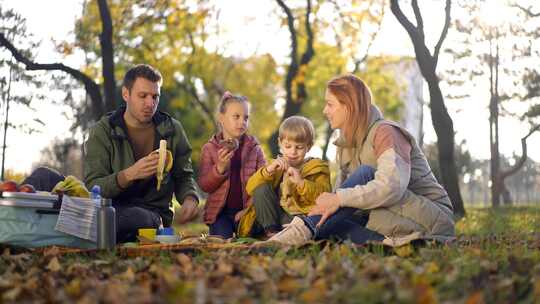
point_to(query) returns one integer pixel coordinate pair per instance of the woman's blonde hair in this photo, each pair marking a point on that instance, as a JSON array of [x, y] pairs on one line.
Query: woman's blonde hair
[[352, 92], [298, 129]]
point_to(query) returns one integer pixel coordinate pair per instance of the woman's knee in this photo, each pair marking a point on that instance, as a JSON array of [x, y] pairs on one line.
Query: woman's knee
[[361, 176]]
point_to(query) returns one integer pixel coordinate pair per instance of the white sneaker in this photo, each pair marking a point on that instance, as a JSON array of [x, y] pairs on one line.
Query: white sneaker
[[295, 233]]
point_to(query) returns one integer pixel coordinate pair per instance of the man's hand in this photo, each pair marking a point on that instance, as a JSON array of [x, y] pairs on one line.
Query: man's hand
[[326, 205], [189, 210], [224, 160], [143, 168]]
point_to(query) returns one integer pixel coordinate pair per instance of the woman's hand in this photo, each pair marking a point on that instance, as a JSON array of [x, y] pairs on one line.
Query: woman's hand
[[277, 164], [224, 160], [295, 177], [326, 205]]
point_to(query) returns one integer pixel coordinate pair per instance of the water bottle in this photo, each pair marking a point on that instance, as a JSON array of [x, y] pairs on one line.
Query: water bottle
[[106, 220]]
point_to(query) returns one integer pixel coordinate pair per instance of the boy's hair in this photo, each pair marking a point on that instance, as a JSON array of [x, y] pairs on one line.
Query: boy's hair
[[227, 98], [141, 70], [298, 129]]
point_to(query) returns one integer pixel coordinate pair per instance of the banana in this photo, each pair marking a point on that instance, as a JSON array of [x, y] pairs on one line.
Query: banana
[[161, 162]]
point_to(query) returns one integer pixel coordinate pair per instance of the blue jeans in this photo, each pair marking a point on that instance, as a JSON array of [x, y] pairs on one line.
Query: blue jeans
[[224, 226], [344, 223]]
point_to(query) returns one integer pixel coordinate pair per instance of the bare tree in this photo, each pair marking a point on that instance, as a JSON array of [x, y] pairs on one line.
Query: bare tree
[[99, 107], [294, 82], [442, 122]]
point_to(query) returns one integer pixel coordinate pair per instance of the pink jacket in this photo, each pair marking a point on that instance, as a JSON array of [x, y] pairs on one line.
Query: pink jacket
[[217, 185]]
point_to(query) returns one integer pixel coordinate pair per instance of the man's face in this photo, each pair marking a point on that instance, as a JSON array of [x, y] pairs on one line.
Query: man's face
[[142, 101]]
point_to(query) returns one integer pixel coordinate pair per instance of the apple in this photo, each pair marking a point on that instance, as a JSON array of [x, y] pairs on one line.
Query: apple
[[27, 188], [8, 186]]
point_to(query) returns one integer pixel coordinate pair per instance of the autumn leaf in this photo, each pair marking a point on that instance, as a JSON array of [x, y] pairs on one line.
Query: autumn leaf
[[54, 265]]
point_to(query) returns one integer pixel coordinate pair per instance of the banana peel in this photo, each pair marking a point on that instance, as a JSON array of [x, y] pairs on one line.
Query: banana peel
[[71, 186], [164, 162]]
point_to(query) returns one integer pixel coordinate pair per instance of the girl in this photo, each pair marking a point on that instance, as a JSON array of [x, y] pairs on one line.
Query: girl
[[228, 159], [382, 172]]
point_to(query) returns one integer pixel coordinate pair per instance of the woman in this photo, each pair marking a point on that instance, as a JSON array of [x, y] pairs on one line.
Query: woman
[[386, 190]]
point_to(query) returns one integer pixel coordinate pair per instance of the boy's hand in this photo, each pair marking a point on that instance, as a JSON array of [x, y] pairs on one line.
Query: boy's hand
[[224, 160], [295, 177], [277, 164]]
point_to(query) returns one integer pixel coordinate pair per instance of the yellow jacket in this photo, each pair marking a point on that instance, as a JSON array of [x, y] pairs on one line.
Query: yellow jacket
[[316, 175]]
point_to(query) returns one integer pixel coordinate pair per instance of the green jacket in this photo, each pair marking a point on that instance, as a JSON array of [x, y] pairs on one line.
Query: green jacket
[[108, 151]]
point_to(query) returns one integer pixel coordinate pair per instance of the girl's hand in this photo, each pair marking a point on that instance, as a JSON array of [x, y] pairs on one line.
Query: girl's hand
[[277, 164], [326, 205], [295, 177], [239, 215], [224, 160]]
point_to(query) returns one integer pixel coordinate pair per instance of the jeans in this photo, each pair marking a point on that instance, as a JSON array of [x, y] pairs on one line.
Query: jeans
[[346, 223], [224, 226]]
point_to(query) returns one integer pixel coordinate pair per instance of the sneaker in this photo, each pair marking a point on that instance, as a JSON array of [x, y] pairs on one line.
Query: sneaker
[[295, 233]]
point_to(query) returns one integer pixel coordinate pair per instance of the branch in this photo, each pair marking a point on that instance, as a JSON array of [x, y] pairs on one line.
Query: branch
[[527, 11], [418, 16], [308, 54], [373, 36], [517, 166], [409, 27], [91, 87], [293, 67], [444, 32]]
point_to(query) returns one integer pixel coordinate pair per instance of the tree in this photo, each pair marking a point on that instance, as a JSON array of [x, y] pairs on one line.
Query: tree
[[12, 75], [295, 87], [173, 37], [93, 90], [442, 122], [493, 58]]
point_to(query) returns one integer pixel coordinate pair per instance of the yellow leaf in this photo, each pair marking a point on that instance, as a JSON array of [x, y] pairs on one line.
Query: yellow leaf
[[289, 285], [73, 288], [128, 275], [12, 294], [404, 251], [316, 293], [54, 265]]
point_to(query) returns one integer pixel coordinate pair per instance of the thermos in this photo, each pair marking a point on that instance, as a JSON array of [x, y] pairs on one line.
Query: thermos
[[106, 221]]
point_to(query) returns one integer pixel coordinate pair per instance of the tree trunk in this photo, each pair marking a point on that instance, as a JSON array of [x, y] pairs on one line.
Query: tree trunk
[[107, 56], [295, 72], [442, 122]]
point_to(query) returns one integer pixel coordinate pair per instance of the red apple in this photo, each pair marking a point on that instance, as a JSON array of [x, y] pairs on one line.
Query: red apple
[[8, 186], [27, 188]]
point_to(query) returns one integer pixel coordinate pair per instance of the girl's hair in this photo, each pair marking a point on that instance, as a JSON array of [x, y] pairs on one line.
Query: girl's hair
[[227, 98], [298, 129], [352, 92]]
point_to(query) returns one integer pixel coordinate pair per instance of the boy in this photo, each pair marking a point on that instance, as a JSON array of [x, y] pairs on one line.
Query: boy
[[289, 185]]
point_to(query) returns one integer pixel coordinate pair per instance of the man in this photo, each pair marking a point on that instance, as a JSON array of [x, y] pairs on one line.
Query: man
[[120, 157]]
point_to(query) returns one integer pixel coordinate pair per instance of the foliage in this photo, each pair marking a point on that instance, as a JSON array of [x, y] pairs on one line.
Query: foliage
[[495, 260]]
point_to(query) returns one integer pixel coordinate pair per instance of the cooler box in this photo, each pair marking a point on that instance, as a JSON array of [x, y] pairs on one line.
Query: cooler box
[[28, 220]]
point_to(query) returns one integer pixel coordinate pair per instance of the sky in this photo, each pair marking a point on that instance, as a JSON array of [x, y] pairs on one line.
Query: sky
[[470, 116]]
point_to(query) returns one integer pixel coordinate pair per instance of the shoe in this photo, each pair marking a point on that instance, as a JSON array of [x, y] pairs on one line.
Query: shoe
[[295, 233]]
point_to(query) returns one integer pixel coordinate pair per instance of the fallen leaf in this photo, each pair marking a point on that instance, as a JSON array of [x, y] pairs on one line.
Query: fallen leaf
[[54, 265], [476, 298], [73, 288], [12, 294], [289, 285], [315, 293]]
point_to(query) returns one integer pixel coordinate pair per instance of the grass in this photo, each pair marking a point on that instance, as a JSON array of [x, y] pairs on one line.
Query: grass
[[496, 259]]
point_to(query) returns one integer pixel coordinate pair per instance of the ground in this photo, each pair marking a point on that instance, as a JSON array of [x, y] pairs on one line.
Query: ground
[[495, 260]]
